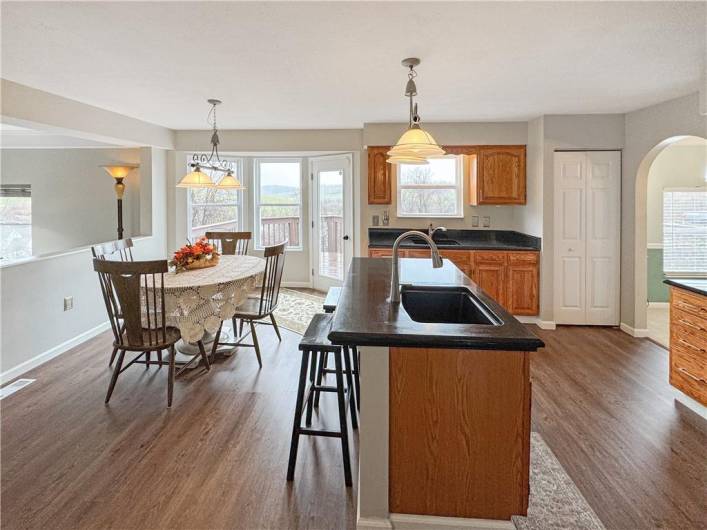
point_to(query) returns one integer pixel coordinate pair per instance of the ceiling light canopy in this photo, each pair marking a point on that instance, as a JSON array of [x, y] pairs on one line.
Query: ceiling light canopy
[[416, 145], [198, 178]]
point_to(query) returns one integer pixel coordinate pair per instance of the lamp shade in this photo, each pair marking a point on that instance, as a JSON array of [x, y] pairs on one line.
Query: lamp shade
[[230, 182], [407, 159], [119, 172], [196, 179], [415, 143]]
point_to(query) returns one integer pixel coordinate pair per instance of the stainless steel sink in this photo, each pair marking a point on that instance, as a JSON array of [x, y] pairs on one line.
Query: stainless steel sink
[[440, 242], [445, 305]]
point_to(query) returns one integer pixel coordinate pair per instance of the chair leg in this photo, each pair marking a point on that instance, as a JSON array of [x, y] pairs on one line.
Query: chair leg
[[294, 443], [236, 334], [342, 418], [170, 376], [114, 377], [310, 400], [204, 357], [323, 356], [255, 342], [112, 356], [148, 356], [159, 357], [350, 385], [240, 328], [274, 324], [357, 379], [215, 343]]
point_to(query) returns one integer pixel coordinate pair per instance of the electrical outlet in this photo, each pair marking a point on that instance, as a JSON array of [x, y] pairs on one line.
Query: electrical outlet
[[68, 303], [376, 220], [474, 220], [486, 221]]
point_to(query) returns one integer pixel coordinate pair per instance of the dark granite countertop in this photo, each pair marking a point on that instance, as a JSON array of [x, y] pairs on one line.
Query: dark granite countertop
[[364, 317], [467, 239], [696, 285]]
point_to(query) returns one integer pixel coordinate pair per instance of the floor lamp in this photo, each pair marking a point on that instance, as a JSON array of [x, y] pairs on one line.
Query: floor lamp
[[119, 173]]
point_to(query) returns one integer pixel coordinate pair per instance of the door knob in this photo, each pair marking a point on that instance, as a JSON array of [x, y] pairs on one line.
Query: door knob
[[346, 238], [570, 250]]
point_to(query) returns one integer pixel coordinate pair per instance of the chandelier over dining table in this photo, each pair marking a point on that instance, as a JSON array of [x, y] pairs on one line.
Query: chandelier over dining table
[[198, 178]]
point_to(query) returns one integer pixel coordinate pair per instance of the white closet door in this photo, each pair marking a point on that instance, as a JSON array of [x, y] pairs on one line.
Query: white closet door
[[587, 237], [569, 274], [603, 237]]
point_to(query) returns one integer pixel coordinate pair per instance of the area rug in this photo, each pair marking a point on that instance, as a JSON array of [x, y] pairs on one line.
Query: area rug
[[295, 309], [555, 501]]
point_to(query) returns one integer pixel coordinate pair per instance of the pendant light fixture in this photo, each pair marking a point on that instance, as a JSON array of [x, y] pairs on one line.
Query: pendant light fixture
[[197, 178], [415, 145]]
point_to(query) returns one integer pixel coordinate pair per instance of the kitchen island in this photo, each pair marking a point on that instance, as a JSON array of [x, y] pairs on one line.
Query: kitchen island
[[445, 408]]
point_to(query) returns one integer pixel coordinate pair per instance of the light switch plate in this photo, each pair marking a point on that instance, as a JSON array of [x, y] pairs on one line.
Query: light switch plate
[[68, 303], [486, 221], [376, 220], [474, 220]]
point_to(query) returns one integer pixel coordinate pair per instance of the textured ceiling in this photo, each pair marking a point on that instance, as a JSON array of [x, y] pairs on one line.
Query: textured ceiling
[[337, 64]]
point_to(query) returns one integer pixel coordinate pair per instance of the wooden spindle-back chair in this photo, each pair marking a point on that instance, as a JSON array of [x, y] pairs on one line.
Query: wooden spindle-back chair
[[230, 243], [119, 250], [255, 309], [135, 290]]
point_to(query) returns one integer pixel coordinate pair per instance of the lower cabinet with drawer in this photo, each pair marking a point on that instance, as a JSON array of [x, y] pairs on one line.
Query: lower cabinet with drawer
[[512, 278], [688, 343]]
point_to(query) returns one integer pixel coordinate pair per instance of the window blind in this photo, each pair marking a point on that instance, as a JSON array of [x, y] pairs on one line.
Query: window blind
[[685, 232]]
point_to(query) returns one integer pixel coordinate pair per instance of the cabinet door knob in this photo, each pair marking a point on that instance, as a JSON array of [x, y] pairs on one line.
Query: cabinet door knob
[[346, 238]]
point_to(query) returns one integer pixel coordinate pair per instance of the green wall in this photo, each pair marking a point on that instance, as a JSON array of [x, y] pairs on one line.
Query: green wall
[[657, 290]]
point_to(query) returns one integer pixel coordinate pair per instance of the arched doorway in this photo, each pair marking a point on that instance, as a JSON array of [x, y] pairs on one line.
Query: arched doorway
[[641, 221]]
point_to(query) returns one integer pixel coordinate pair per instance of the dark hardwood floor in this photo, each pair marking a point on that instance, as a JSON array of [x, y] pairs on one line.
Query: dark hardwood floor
[[218, 458]]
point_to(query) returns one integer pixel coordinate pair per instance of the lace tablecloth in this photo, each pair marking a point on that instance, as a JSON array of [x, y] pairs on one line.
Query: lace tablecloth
[[198, 301]]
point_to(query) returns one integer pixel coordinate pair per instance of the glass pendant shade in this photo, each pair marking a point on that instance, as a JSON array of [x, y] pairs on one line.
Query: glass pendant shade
[[119, 172], [196, 179], [230, 182], [409, 160], [415, 143]]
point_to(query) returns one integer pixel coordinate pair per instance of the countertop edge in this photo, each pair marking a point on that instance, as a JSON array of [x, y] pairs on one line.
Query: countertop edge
[[682, 285]]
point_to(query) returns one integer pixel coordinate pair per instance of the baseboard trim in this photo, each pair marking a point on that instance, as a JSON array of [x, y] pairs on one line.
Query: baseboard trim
[[692, 404], [425, 522], [634, 332], [297, 284], [547, 324], [42, 358], [412, 522], [660, 305], [526, 320]]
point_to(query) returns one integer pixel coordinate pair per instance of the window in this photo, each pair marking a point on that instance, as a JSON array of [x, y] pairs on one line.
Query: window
[[215, 209], [278, 202], [685, 231], [432, 190], [15, 221]]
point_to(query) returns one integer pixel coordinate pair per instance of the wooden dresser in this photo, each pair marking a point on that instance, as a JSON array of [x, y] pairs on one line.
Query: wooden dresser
[[688, 341]]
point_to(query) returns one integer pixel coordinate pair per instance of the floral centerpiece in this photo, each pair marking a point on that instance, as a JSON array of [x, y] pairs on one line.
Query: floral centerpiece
[[199, 255]]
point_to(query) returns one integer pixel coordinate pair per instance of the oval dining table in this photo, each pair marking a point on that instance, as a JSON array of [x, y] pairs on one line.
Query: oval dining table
[[197, 301]]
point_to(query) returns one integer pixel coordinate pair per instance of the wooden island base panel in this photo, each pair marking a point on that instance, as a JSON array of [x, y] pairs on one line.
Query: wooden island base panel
[[688, 338], [459, 432]]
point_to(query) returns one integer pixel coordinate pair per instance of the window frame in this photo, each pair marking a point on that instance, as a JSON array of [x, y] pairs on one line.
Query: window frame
[[257, 204], [678, 274], [241, 205], [19, 191], [458, 186]]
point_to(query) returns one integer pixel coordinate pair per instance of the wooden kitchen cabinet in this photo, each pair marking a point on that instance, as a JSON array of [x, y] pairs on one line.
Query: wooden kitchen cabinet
[[497, 175], [463, 259], [688, 343], [380, 252], [523, 297], [489, 273], [379, 176]]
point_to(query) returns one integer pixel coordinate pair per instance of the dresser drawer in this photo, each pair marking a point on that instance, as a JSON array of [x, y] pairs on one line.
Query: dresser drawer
[[687, 359], [688, 321], [691, 384], [690, 303]]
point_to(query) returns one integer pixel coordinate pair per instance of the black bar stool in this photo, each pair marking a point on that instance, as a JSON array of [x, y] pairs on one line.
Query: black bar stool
[[332, 298], [315, 344]]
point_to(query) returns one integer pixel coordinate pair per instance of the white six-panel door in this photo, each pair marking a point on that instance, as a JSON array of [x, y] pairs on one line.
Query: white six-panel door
[[587, 237]]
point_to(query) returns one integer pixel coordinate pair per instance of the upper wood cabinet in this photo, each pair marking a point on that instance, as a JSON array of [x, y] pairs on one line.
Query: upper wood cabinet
[[379, 176], [497, 175]]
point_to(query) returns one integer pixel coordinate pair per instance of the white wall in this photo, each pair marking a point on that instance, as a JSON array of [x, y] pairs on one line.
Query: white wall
[[73, 201], [678, 166], [648, 131], [33, 325]]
